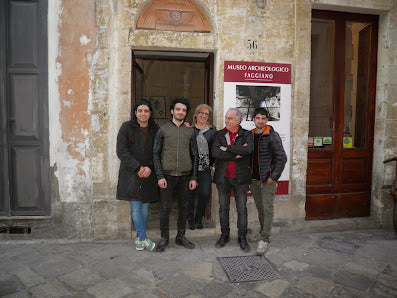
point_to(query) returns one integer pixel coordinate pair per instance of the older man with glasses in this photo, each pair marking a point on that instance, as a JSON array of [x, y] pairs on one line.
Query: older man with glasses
[[231, 149]]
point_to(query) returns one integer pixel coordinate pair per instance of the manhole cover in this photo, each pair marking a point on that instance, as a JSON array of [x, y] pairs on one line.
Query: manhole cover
[[338, 245], [248, 268]]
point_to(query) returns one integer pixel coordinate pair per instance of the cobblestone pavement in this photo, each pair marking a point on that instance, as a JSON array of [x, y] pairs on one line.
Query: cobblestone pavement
[[359, 263]]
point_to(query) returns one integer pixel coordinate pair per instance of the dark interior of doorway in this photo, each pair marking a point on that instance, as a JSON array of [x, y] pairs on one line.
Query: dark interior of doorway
[[160, 76]]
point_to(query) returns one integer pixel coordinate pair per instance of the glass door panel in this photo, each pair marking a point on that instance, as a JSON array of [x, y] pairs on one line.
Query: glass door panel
[[357, 69], [321, 88]]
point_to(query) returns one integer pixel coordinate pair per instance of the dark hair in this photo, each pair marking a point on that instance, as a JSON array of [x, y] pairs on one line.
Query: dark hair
[[143, 102], [261, 111], [181, 100]]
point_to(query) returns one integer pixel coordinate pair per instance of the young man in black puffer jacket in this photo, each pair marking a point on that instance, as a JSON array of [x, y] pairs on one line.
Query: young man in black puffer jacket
[[267, 163]]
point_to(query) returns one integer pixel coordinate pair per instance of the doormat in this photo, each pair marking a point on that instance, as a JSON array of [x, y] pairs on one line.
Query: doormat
[[248, 268]]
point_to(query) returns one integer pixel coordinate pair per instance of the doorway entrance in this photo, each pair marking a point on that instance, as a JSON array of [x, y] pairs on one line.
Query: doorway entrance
[[160, 76], [342, 109]]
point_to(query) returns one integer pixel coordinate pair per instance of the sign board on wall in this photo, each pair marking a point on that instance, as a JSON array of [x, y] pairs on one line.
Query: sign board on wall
[[248, 85]]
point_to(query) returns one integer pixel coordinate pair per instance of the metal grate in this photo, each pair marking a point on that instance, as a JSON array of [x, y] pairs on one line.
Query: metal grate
[[248, 268], [15, 230]]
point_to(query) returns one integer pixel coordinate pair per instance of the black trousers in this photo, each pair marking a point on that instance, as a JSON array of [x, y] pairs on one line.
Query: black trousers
[[178, 186]]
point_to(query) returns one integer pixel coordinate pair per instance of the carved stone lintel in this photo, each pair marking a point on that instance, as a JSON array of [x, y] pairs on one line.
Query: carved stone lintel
[[176, 15]]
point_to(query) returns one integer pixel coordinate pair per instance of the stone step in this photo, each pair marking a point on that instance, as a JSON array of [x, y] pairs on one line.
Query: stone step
[[342, 224], [312, 226]]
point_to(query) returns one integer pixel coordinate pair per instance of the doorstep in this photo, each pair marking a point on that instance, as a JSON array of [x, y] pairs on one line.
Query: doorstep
[[342, 224], [312, 226]]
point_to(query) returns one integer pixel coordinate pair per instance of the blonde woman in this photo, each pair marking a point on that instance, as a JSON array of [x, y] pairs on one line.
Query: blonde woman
[[204, 133]]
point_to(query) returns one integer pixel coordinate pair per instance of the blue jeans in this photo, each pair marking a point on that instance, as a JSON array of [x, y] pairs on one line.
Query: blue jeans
[[204, 189], [139, 213], [240, 195]]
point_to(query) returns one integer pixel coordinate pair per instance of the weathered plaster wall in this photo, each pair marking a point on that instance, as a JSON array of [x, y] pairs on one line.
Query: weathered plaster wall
[[72, 35], [111, 89]]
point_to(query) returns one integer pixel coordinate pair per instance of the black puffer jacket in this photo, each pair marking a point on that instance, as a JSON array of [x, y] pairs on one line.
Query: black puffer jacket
[[272, 157], [222, 158], [133, 154]]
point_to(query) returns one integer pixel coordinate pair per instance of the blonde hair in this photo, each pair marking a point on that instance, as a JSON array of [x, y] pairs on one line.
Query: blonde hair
[[197, 110]]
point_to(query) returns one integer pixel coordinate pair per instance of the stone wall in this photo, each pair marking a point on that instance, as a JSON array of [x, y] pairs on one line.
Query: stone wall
[[90, 45], [385, 143], [233, 23]]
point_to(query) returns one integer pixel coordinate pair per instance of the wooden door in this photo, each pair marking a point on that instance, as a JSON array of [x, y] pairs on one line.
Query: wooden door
[[24, 108], [341, 124]]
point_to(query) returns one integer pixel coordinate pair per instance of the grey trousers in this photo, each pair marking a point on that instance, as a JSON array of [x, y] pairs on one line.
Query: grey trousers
[[240, 196], [264, 198]]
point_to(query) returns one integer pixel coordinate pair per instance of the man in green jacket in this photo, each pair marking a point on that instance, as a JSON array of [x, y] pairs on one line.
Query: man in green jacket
[[175, 162]]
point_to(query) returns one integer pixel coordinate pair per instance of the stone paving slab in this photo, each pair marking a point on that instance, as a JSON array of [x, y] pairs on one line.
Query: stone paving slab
[[81, 279], [51, 288], [111, 288], [316, 286], [29, 278], [296, 266], [274, 288], [339, 264], [180, 285], [55, 266], [202, 270], [366, 267]]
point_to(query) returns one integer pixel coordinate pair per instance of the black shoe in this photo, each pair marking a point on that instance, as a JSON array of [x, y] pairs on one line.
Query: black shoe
[[222, 241], [243, 244], [181, 240], [162, 244], [191, 225], [199, 223]]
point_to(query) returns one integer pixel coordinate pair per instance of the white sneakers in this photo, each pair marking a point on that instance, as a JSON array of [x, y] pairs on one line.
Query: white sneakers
[[262, 247]]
